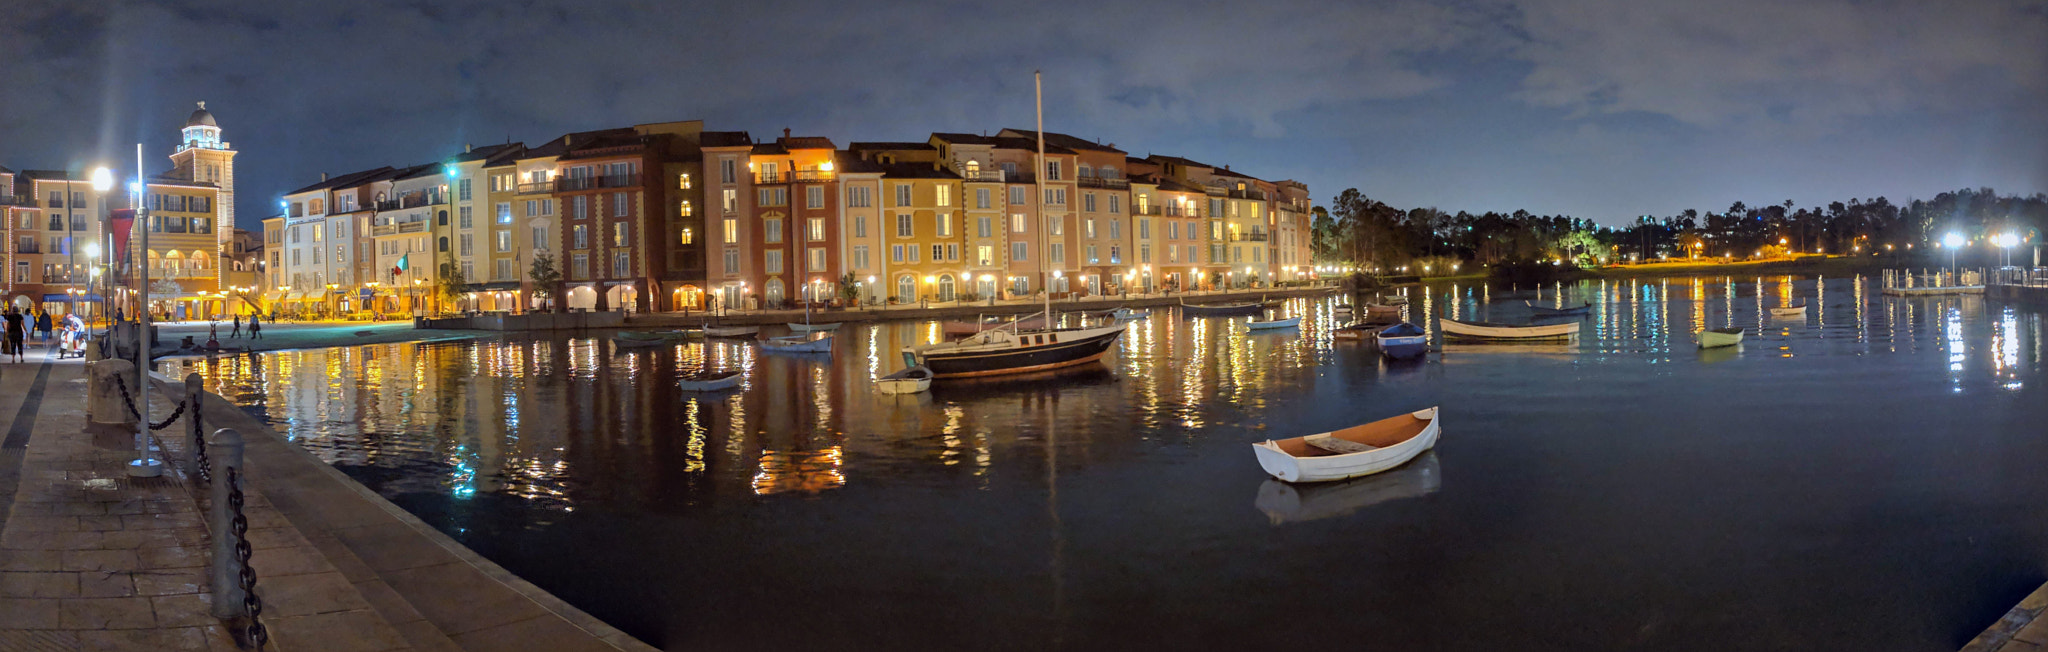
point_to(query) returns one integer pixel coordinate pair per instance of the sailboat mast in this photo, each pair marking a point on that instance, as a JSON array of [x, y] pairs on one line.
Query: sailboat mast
[[1038, 93]]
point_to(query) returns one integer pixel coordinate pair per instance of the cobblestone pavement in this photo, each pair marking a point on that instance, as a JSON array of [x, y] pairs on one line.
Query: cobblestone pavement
[[2023, 629]]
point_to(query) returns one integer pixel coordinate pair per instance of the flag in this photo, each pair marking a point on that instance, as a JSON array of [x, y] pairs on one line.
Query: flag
[[122, 222]]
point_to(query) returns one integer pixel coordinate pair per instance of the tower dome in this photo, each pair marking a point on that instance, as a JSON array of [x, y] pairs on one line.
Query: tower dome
[[201, 118]]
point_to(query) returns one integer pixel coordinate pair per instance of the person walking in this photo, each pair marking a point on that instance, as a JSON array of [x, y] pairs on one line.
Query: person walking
[[237, 332], [255, 328], [43, 326], [15, 332]]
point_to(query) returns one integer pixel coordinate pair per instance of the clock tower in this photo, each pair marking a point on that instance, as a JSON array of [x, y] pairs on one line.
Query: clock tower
[[202, 157]]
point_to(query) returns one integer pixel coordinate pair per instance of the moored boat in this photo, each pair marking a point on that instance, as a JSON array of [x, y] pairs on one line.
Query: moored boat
[[1289, 322], [731, 331], [1403, 341], [798, 344], [638, 339], [1719, 337], [1376, 312], [710, 381], [1490, 331], [1545, 311], [908, 380], [1007, 351], [810, 328], [1351, 452], [683, 333], [1789, 311], [1354, 332], [1221, 310]]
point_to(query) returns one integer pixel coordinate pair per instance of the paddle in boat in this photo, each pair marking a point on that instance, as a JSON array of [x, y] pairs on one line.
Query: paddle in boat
[[1545, 311], [1403, 341], [710, 381], [1221, 310], [812, 343], [908, 380], [1719, 337], [1789, 311], [1350, 452], [1476, 330], [741, 332], [1289, 322]]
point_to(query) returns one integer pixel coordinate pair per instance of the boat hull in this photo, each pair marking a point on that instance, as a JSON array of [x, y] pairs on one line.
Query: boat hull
[[1788, 312], [727, 382], [820, 345], [1021, 359], [1469, 331], [1238, 310], [1714, 339], [1338, 467], [1404, 348], [735, 331], [812, 328], [1289, 322], [903, 385]]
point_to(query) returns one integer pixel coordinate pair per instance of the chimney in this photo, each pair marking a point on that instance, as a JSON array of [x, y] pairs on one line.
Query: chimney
[[323, 176], [785, 133], [568, 140], [467, 148]]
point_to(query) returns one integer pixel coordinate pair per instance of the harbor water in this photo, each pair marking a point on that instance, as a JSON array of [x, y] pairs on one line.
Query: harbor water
[[1866, 476]]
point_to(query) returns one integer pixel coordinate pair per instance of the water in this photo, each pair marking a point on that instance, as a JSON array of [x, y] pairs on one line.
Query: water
[[1865, 477]]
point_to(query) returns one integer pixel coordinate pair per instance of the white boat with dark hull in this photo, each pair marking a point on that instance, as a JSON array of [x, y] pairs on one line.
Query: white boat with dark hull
[[1221, 310], [817, 343], [711, 382], [908, 380], [1475, 330], [731, 331], [1289, 322], [1789, 311], [1350, 452], [812, 328], [1005, 351]]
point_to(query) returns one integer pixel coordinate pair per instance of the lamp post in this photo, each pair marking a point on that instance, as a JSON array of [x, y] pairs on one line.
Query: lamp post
[[1953, 241], [143, 466]]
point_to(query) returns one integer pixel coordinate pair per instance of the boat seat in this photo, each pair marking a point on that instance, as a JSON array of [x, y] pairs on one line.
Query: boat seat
[[1335, 445]]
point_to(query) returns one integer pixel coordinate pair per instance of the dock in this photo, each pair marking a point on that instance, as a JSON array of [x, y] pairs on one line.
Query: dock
[[2021, 629]]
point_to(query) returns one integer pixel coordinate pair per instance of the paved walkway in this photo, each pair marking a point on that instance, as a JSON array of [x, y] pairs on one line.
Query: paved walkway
[[2023, 629], [93, 560]]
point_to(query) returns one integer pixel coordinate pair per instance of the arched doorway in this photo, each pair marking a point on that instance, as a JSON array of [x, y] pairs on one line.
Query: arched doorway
[[688, 297], [945, 287], [582, 297], [772, 292], [987, 289], [622, 297], [906, 289]]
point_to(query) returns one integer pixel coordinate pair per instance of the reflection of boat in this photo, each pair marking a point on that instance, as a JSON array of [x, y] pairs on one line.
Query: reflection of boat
[[1489, 331], [818, 343], [1289, 322], [908, 380], [1719, 337], [1574, 311], [1541, 347], [799, 471], [807, 328], [1006, 351], [1403, 341], [731, 331], [1379, 313], [1350, 452], [1221, 310], [638, 339], [1292, 503], [711, 382], [1789, 311]]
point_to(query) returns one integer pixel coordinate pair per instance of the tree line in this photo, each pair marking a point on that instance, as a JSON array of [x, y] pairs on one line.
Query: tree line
[[1356, 230]]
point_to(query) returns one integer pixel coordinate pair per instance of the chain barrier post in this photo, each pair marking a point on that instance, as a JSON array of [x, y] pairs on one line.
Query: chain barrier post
[[195, 460], [227, 566]]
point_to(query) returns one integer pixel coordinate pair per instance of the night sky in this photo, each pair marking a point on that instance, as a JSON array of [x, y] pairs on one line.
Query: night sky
[[1605, 109]]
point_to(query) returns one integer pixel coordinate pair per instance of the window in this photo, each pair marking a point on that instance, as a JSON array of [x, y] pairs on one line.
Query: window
[[730, 200], [982, 226], [1088, 202], [902, 194], [580, 237], [776, 196], [1056, 225], [619, 206], [772, 230], [685, 209], [895, 253], [1020, 251], [952, 252], [1056, 253], [1113, 204], [1093, 259], [817, 258], [859, 197], [579, 266], [317, 231], [1144, 229], [1017, 195], [1052, 170], [906, 288], [468, 271], [622, 265], [1237, 254], [622, 234], [816, 229], [1017, 223], [860, 257], [540, 237], [1116, 229], [579, 207], [732, 261], [944, 193], [462, 218], [1056, 196], [903, 227], [467, 246], [860, 226], [945, 287], [1172, 230], [504, 241], [911, 251], [732, 231], [771, 261], [1088, 227], [504, 271], [1144, 253], [981, 198], [686, 236], [461, 190], [683, 182], [984, 255], [944, 223], [726, 170], [1116, 255], [814, 197], [938, 253]]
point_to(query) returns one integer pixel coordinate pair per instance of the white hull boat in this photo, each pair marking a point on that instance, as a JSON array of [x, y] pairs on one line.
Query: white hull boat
[[731, 331], [1719, 337], [812, 328], [1789, 311], [798, 344], [1289, 322], [908, 380], [711, 382], [1486, 331], [1350, 452]]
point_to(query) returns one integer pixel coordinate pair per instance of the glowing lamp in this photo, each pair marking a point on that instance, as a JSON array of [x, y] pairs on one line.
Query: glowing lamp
[[102, 179]]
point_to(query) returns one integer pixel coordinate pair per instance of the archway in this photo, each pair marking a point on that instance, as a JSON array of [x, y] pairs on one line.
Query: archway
[[945, 287], [906, 289], [581, 297], [772, 292]]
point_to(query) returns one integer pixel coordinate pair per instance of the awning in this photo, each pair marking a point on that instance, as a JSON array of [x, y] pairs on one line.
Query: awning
[[293, 296], [67, 297]]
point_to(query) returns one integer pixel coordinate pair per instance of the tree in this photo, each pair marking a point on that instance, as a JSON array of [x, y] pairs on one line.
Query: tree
[[849, 289], [547, 281], [453, 284]]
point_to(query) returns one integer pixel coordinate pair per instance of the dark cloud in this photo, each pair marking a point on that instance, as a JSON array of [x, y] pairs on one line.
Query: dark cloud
[[1587, 107]]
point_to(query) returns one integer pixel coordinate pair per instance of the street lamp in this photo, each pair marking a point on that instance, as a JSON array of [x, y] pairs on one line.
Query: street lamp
[[1953, 241]]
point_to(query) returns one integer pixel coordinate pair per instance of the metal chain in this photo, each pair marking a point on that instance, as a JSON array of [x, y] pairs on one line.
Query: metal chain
[[240, 528], [130, 400], [199, 453]]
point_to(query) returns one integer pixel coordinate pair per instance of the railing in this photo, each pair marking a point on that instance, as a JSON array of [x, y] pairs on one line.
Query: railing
[[1249, 194], [1255, 236], [994, 175], [537, 188], [17, 200], [1103, 182], [567, 184], [1148, 210], [415, 226], [1216, 191], [815, 176], [20, 248]]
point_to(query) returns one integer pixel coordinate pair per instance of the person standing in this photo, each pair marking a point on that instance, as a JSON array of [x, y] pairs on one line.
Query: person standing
[[255, 328], [237, 332], [15, 332], [43, 326]]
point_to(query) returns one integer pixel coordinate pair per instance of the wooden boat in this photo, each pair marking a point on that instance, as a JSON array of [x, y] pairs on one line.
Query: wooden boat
[[1543, 311], [1009, 351], [1375, 311], [1350, 452], [1290, 503], [1289, 322], [908, 380], [638, 339], [798, 344], [812, 328], [1719, 337], [1395, 300], [731, 331], [1789, 311], [1221, 310], [1489, 331], [1403, 341], [1354, 332], [711, 381]]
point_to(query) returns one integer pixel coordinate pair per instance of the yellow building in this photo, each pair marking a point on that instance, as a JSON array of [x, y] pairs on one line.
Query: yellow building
[[921, 226]]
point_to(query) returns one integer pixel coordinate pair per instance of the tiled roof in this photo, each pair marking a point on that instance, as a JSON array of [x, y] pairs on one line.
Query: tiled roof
[[884, 145], [806, 142], [964, 139], [769, 149], [485, 152], [1225, 172], [1029, 144], [1175, 160], [349, 179], [1170, 185], [850, 162], [916, 171], [417, 171], [1063, 140], [48, 175], [725, 139]]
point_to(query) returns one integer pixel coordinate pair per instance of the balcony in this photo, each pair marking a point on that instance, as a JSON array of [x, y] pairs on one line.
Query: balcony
[[1148, 210], [27, 248], [571, 184], [401, 228], [1216, 191], [1255, 236], [816, 176], [991, 175], [1103, 182], [539, 188], [17, 200], [1249, 194]]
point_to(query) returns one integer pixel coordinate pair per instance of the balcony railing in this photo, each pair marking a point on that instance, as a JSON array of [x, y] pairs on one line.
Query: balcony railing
[[1255, 236], [417, 226], [1103, 182], [1148, 210], [569, 184], [16, 200], [815, 176], [537, 188], [988, 175], [1249, 194], [20, 248], [1216, 191]]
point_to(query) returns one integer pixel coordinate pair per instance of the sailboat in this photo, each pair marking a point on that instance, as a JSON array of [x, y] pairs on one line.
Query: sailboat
[[806, 327], [1011, 349]]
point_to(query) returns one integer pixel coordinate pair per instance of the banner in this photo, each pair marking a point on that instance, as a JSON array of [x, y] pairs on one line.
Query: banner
[[122, 222]]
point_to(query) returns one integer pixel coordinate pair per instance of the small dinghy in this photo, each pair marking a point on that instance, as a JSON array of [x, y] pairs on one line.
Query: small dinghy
[[638, 339], [1789, 311], [1221, 310], [731, 331], [1379, 313], [1351, 452], [1719, 337], [710, 381], [1403, 341], [1575, 311], [1475, 330], [812, 328], [1354, 332], [798, 344], [908, 380], [1289, 322]]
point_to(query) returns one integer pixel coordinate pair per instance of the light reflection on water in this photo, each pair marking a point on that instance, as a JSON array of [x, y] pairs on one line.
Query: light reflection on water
[[1561, 466]]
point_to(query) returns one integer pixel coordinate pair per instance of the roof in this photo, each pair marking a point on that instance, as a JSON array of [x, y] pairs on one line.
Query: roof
[[486, 152], [49, 175], [590, 143], [806, 142], [724, 139], [964, 139], [4, 170], [349, 179], [201, 118], [888, 145], [769, 149], [1169, 185], [850, 162], [1225, 172], [566, 143], [1066, 141], [916, 171], [417, 171], [1016, 142], [1175, 160]]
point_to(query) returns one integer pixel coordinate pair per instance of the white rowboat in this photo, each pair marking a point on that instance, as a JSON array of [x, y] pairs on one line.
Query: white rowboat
[[1486, 331], [1289, 322], [908, 380], [731, 331], [1789, 311], [1719, 337], [798, 344], [811, 328], [1351, 452], [711, 382]]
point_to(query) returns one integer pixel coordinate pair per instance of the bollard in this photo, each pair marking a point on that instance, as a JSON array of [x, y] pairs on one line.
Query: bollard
[[193, 426], [226, 452]]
